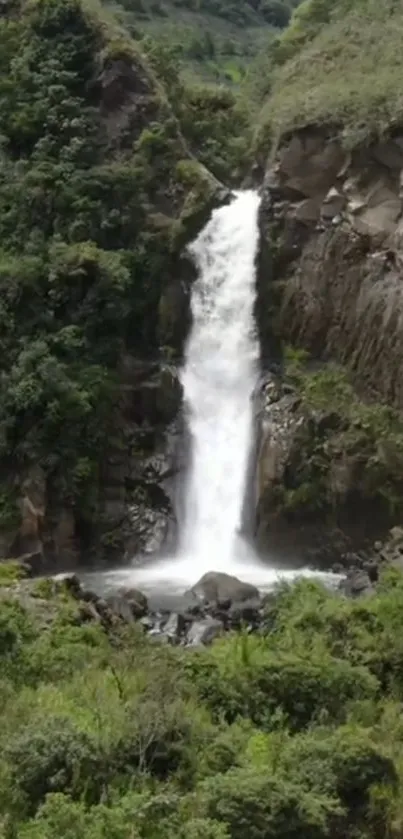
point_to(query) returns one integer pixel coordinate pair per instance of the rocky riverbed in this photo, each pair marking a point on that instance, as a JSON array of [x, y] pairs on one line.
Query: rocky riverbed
[[219, 602], [216, 604]]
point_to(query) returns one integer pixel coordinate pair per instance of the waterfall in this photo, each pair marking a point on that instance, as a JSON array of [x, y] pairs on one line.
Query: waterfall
[[218, 378]]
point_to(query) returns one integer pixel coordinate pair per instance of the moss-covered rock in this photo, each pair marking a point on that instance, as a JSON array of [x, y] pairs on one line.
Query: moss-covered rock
[[330, 464], [203, 194]]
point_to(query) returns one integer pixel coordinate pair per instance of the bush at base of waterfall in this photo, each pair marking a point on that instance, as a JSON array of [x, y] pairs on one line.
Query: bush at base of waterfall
[[291, 730]]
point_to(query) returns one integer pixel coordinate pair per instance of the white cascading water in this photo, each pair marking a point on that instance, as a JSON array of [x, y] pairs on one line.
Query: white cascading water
[[218, 377]]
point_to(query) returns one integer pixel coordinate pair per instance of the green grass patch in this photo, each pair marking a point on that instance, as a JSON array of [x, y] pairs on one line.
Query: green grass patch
[[348, 74], [11, 572]]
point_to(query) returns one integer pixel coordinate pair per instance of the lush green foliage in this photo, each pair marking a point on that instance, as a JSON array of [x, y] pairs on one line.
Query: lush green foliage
[[82, 261], [296, 731], [365, 437], [337, 63], [212, 119], [212, 40]]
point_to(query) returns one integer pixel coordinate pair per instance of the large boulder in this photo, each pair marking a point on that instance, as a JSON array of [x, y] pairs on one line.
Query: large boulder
[[218, 587], [356, 584]]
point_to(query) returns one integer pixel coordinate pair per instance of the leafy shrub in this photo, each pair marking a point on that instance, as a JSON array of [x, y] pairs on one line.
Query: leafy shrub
[[298, 685], [53, 758], [16, 631], [266, 807], [11, 571], [275, 12]]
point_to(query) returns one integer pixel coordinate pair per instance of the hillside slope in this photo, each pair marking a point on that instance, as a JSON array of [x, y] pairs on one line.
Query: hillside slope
[[295, 731], [338, 64], [98, 193], [211, 40], [331, 141]]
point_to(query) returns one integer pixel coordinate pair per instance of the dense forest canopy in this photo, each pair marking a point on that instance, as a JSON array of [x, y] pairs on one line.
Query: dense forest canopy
[[82, 263]]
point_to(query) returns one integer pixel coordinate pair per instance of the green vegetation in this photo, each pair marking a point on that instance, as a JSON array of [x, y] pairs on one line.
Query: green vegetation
[[212, 119], [83, 263], [337, 64], [295, 731], [110, 146], [11, 571], [211, 40], [346, 449]]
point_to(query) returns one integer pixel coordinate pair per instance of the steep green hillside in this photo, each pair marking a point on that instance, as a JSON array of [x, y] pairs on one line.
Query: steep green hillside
[[96, 182], [339, 63], [212, 40]]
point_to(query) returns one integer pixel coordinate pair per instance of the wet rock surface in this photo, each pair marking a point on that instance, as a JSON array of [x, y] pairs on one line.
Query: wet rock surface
[[362, 569], [356, 584], [193, 622], [128, 603], [202, 633], [216, 587], [137, 510]]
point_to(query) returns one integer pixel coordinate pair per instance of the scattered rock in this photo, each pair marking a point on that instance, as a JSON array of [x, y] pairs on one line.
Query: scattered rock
[[147, 623], [333, 204], [129, 603], [217, 587], [203, 632], [247, 612], [356, 584], [121, 608], [174, 627], [70, 582], [371, 568], [396, 536], [88, 612]]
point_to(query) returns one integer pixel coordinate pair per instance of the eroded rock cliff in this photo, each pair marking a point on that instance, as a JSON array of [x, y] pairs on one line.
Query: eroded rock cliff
[[331, 283], [333, 221]]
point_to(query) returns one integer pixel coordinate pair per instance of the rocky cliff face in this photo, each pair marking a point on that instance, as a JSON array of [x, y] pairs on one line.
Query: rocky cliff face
[[330, 283], [333, 219], [137, 514]]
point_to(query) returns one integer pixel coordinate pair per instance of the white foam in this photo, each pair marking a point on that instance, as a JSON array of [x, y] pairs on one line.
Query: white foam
[[173, 576], [218, 378]]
